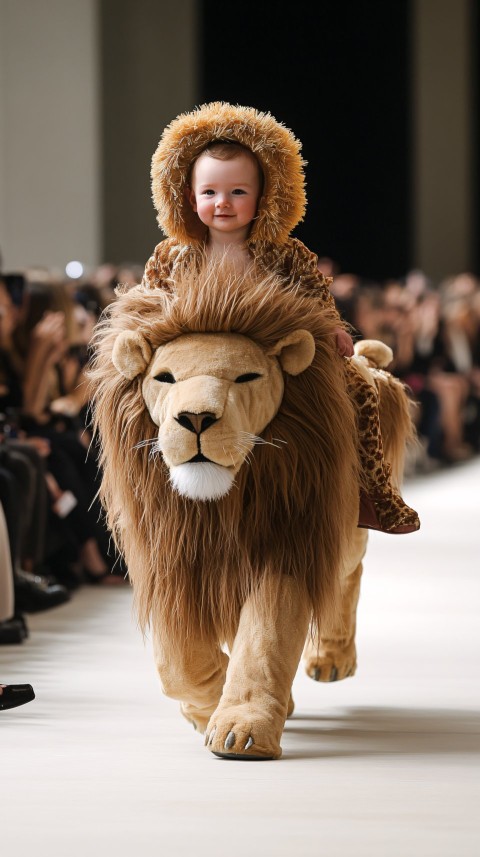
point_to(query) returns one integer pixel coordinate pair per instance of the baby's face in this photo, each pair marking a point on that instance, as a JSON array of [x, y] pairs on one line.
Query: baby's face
[[225, 194]]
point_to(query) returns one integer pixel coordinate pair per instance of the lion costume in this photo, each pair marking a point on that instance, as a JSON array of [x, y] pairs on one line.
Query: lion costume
[[272, 249], [230, 480]]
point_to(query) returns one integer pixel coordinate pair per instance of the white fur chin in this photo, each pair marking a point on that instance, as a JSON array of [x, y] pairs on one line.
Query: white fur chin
[[201, 480]]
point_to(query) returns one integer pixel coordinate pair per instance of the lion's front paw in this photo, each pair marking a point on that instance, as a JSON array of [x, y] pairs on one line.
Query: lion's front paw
[[331, 663], [241, 733]]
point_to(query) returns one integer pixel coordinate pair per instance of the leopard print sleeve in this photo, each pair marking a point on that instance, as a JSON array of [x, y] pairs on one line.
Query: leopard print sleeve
[[158, 270], [150, 279], [304, 271]]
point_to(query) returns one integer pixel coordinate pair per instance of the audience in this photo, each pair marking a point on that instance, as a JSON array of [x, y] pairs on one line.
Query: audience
[[52, 535], [52, 532], [435, 337]]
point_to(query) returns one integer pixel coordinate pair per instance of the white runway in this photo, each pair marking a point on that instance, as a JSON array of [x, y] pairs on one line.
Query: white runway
[[381, 765]]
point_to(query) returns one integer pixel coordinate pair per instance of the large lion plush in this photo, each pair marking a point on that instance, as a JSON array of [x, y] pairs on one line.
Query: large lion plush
[[230, 481]]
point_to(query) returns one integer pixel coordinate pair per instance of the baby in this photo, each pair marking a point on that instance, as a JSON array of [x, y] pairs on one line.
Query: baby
[[224, 190], [230, 179]]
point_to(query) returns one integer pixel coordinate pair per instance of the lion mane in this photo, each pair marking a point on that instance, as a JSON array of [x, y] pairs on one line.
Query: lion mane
[[295, 499]]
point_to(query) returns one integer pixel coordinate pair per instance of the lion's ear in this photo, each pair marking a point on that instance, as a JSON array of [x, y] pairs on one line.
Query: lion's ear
[[295, 351], [131, 354]]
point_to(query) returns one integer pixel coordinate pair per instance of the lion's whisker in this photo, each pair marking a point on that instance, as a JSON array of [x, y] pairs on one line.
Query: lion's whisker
[[146, 442], [260, 441], [246, 456], [231, 456]]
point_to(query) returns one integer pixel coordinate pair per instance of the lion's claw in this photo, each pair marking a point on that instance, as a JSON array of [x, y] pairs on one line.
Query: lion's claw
[[331, 664], [234, 734], [229, 741]]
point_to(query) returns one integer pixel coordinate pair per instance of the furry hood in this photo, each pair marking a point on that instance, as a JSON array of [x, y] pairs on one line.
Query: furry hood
[[283, 202]]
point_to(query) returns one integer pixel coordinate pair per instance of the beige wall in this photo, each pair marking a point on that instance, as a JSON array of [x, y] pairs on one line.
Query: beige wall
[[149, 75], [86, 87], [49, 134], [442, 145]]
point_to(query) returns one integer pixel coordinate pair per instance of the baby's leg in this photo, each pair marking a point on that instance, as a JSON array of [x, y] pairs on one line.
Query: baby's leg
[[381, 506]]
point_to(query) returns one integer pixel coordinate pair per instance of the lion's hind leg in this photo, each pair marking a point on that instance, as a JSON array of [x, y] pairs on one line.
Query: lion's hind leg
[[333, 657], [192, 672]]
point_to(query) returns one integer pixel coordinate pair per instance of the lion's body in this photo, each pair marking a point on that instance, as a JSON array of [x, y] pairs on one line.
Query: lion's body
[[283, 541]]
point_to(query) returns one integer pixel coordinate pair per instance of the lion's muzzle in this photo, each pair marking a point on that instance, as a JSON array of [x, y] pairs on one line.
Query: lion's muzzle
[[200, 478]]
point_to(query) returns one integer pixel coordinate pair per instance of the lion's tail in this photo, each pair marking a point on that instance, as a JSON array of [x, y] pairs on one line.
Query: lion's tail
[[398, 430]]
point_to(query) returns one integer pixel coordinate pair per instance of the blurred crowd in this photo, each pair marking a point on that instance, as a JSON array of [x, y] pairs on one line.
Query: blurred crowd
[[53, 538], [434, 333]]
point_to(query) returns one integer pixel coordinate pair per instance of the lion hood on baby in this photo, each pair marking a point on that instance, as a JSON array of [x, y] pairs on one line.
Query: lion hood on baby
[[283, 202]]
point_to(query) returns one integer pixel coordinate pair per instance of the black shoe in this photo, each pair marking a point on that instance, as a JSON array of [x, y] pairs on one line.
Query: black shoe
[[19, 617], [61, 575], [13, 695], [34, 593], [11, 632]]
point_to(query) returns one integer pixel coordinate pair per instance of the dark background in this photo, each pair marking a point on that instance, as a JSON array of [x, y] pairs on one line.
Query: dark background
[[475, 13], [346, 96]]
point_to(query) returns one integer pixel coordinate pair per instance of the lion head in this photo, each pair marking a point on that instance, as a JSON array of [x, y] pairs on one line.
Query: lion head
[[211, 396], [227, 441]]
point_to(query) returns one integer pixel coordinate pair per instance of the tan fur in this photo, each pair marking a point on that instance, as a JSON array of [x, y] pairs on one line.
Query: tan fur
[[396, 419], [332, 656], [275, 147], [377, 354], [282, 547], [291, 509]]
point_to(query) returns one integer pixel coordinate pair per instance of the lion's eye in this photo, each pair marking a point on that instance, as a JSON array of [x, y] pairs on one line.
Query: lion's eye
[[249, 376], [165, 377]]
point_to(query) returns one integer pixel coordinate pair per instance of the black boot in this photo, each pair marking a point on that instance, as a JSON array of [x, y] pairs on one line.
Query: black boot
[[34, 593]]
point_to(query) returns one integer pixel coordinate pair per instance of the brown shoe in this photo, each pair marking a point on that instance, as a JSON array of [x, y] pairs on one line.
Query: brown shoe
[[387, 513]]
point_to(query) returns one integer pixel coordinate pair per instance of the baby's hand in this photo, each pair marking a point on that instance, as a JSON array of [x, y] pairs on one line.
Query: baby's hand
[[344, 342]]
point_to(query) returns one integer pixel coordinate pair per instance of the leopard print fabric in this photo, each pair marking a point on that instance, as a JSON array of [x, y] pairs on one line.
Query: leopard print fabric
[[292, 261], [163, 263], [391, 511], [298, 265]]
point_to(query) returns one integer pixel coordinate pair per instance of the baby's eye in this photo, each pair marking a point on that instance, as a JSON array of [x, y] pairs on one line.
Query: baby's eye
[[165, 378], [249, 376], [208, 192], [238, 191]]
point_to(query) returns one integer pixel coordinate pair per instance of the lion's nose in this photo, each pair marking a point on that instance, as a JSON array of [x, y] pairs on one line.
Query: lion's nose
[[197, 423]]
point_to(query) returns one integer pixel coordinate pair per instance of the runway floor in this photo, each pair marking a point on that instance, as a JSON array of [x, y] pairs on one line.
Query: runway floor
[[381, 765]]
